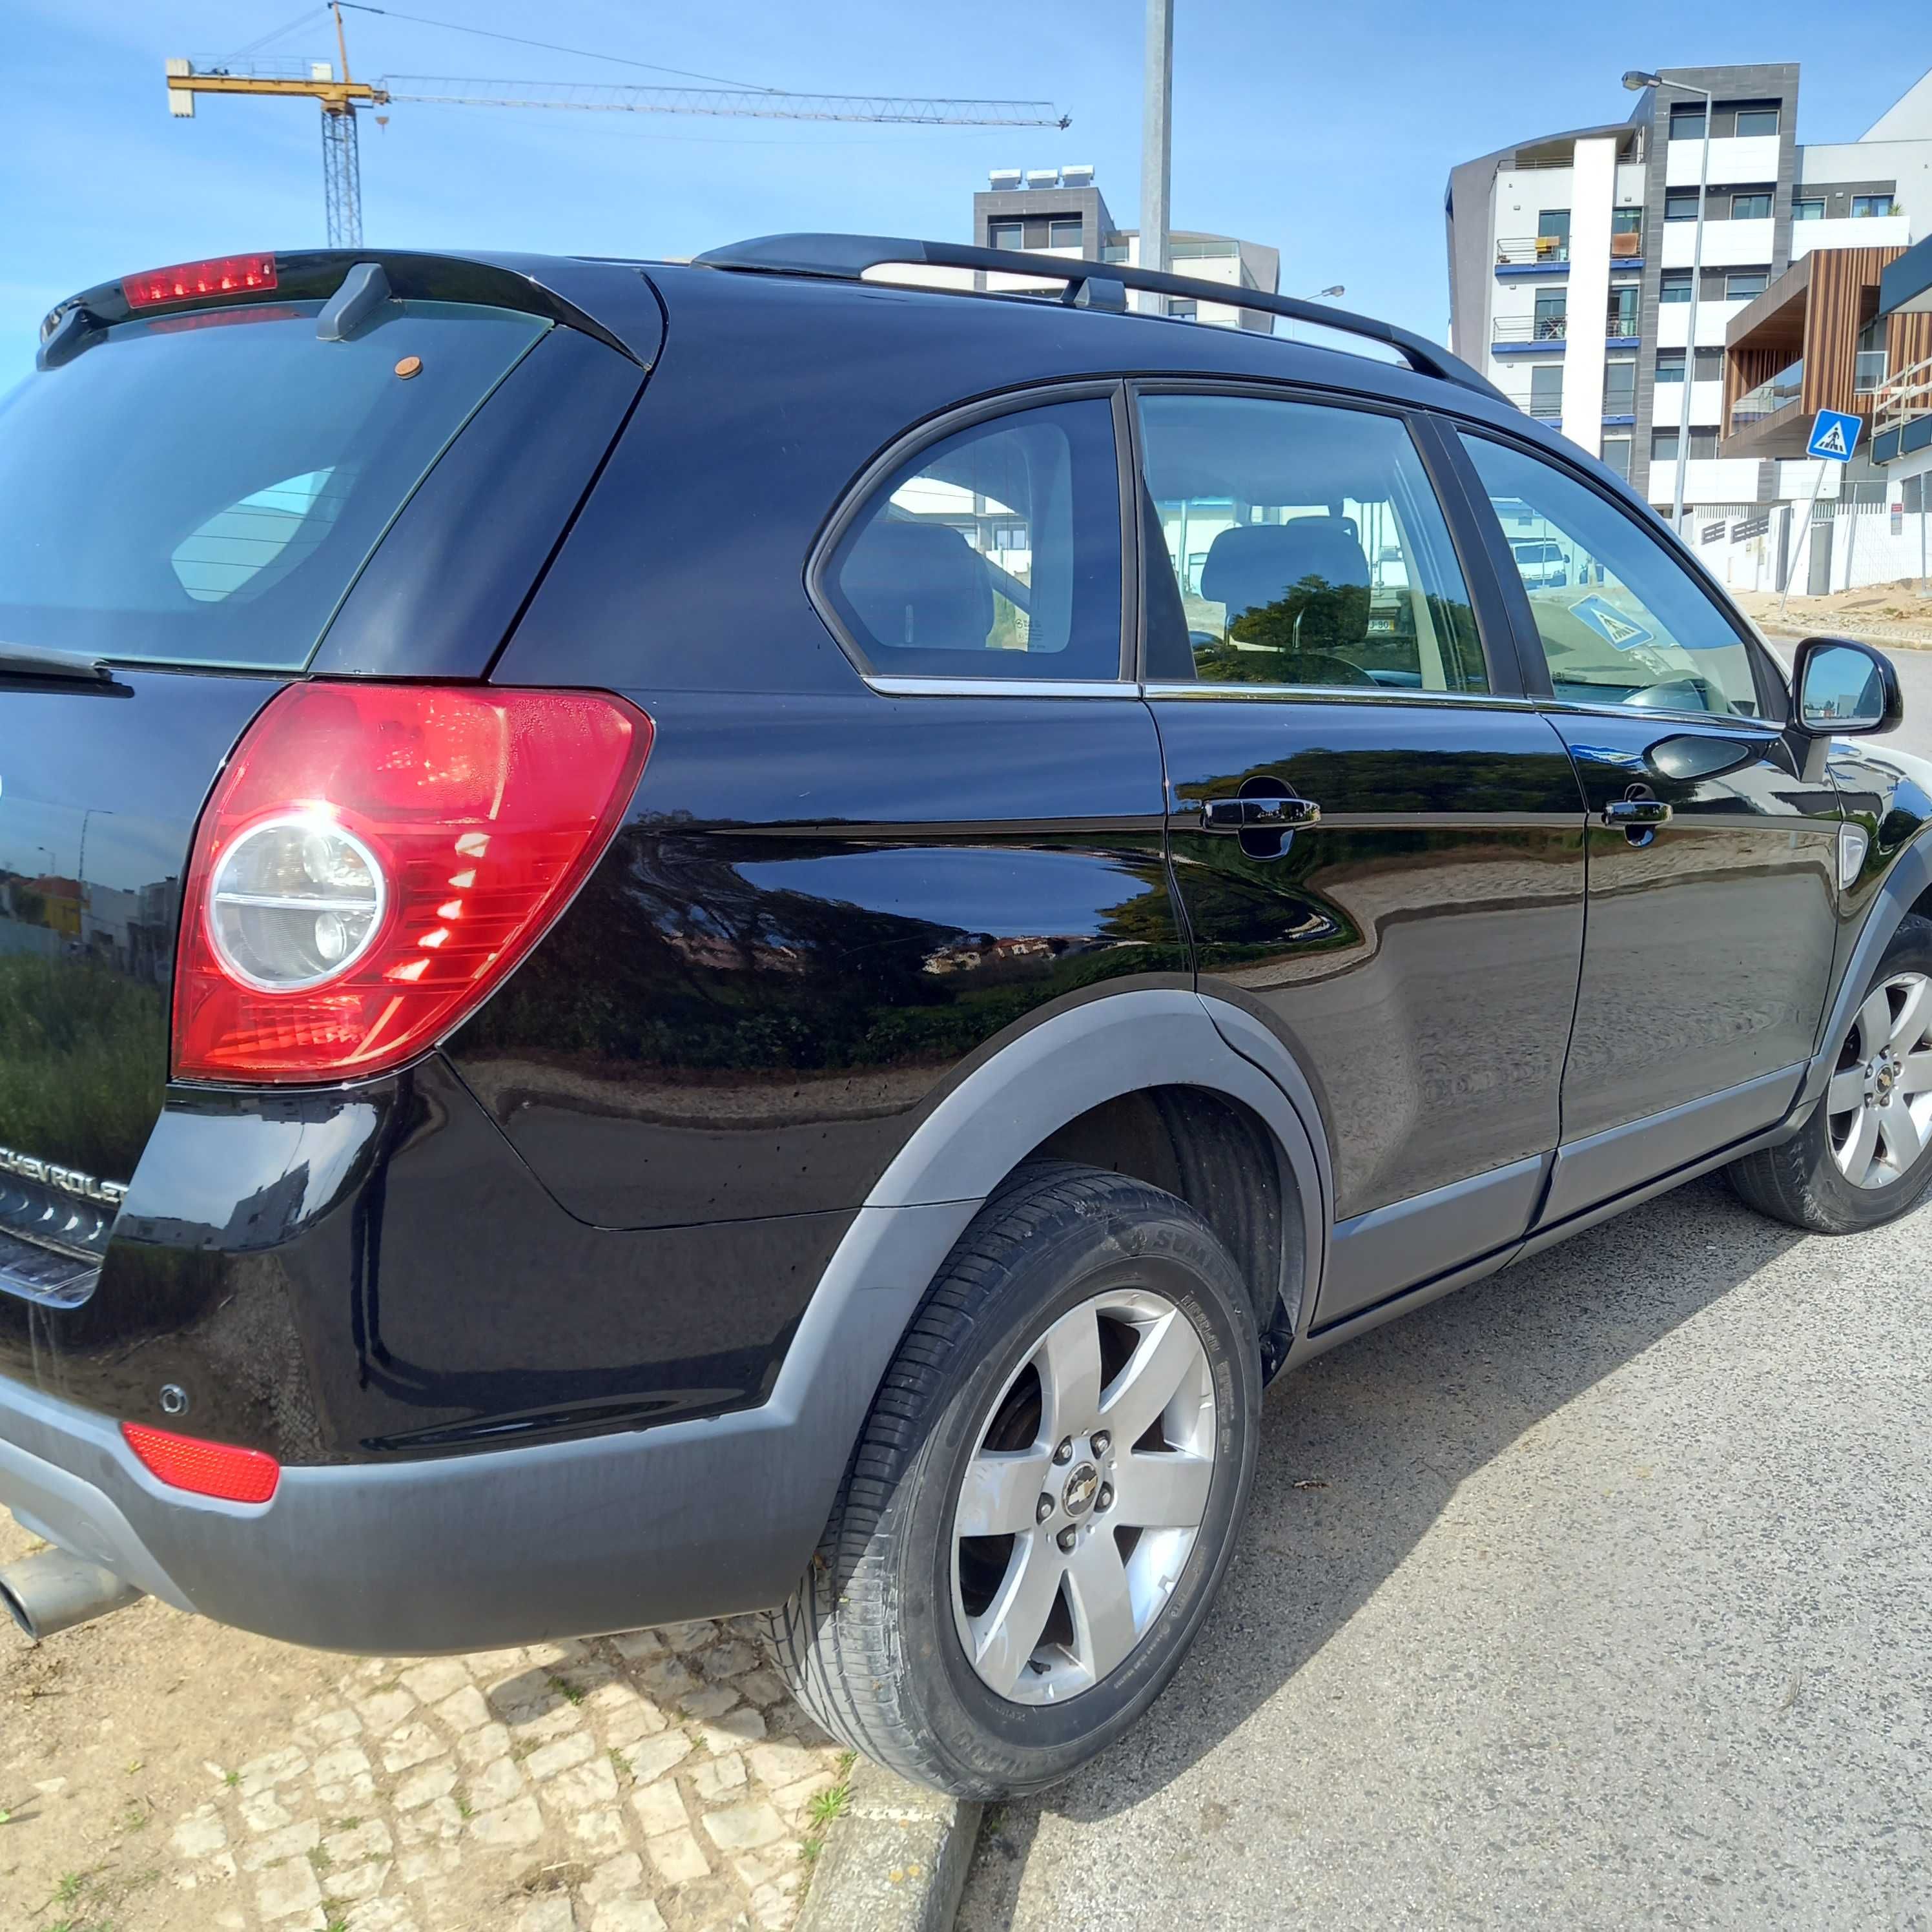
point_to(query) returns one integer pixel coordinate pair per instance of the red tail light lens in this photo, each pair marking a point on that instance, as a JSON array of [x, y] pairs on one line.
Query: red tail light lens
[[376, 860], [193, 281], [207, 1468]]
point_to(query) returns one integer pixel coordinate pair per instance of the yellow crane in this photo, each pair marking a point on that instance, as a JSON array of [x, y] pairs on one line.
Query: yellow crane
[[342, 98]]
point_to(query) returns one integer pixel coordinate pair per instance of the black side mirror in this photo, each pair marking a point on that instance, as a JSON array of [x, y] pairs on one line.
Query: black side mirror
[[1846, 689]]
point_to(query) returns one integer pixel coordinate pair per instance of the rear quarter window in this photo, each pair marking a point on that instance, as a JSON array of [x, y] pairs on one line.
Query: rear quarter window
[[203, 489]]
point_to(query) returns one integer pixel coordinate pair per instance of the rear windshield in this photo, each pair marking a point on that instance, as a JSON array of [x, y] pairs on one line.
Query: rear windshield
[[203, 489]]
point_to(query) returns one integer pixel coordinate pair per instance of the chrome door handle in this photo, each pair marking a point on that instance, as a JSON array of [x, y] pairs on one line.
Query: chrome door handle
[[1255, 814], [1626, 813]]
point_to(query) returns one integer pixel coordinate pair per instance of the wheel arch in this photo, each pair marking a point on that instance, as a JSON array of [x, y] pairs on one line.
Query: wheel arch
[[1905, 891]]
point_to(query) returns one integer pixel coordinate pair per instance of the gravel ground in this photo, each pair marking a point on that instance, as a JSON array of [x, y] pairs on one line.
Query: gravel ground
[[1596, 1594]]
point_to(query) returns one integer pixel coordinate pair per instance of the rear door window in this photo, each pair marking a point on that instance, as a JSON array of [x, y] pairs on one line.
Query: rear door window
[[993, 553], [1298, 544], [203, 488]]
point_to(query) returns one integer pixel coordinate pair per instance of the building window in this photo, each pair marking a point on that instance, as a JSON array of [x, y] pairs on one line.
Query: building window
[[1626, 234], [1811, 209], [1710, 365], [1687, 120], [1745, 284], [1663, 445], [1755, 206], [1006, 234], [1617, 455], [1180, 308], [1870, 204], [1680, 204], [1063, 232], [1546, 392], [1115, 251], [1620, 388], [1703, 443], [1552, 314], [1620, 319], [1757, 120], [1676, 286], [1670, 365], [1868, 370]]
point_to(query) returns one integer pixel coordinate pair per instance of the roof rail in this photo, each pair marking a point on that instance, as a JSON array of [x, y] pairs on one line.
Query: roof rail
[[1092, 285]]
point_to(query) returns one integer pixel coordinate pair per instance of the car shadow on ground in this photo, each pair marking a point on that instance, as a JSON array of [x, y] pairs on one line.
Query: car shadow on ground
[[1361, 1450]]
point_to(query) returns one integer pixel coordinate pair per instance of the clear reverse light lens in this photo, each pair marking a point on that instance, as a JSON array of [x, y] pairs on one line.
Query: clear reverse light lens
[[294, 902]]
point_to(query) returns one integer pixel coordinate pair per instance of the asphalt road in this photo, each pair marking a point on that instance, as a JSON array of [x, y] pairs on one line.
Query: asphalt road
[[1597, 1594]]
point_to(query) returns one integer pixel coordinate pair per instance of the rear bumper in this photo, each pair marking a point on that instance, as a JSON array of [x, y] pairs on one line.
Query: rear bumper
[[686, 1519]]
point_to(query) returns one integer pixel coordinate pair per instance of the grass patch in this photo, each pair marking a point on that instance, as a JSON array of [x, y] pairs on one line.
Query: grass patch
[[570, 1692], [830, 1805], [810, 1850]]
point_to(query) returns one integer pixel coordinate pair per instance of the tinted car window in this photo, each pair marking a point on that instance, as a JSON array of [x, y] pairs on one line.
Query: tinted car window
[[1621, 621], [1304, 546], [203, 488], [994, 553]]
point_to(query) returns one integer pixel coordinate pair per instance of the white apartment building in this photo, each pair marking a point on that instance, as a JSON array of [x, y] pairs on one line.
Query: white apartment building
[[1571, 261]]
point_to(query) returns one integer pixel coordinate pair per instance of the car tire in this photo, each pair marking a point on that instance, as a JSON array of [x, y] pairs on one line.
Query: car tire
[[1071, 1301], [1853, 1165]]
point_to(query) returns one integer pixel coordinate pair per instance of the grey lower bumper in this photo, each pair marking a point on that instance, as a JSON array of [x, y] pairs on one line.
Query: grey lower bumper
[[477, 1551]]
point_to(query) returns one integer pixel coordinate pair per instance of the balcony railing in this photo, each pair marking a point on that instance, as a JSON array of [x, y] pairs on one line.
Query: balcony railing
[[1545, 409], [1780, 392], [1530, 251], [1507, 329], [1907, 396]]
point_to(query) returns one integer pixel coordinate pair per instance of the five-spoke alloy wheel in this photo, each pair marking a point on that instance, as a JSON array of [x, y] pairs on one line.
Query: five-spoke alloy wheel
[[1083, 1501], [1046, 1495], [1864, 1155]]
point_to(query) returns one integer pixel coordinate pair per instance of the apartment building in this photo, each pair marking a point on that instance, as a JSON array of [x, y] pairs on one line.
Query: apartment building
[[1572, 257], [1062, 211]]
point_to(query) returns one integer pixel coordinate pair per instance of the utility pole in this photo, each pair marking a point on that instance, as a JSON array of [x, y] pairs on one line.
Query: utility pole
[[1156, 146]]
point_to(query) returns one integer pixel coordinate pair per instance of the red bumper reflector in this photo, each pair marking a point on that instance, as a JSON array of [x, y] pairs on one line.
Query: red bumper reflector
[[194, 281], [207, 1468]]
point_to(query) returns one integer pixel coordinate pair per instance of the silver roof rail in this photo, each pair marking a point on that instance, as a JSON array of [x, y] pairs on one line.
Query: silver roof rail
[[1101, 285]]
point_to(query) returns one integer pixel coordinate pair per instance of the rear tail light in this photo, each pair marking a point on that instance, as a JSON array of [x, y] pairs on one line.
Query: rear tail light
[[206, 1468], [195, 281], [376, 860]]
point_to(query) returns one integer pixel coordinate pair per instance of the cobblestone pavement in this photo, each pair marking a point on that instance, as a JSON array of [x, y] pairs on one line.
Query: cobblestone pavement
[[658, 1781]]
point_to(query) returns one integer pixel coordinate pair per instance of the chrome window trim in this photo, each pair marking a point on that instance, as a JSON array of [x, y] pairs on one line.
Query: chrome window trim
[[1341, 694], [1728, 723], [1001, 687]]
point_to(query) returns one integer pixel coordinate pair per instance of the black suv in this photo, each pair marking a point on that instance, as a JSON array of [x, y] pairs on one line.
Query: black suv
[[687, 939]]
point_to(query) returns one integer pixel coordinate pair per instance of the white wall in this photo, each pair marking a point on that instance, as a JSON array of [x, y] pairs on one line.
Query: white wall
[[1673, 323], [1707, 479], [1742, 160], [1869, 231], [1594, 176], [1727, 245], [1907, 163]]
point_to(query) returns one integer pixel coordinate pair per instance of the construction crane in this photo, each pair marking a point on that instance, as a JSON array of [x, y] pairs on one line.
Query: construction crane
[[342, 99]]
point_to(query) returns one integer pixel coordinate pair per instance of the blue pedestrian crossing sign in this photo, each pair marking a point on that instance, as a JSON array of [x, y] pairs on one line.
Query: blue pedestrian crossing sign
[[1835, 435]]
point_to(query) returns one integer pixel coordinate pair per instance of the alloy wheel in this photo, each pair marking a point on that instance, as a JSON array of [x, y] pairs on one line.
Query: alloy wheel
[[1088, 1484], [1879, 1101]]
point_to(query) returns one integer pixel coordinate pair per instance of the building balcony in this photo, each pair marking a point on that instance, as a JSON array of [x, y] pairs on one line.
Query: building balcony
[[1902, 414], [1528, 335], [1779, 392], [1533, 255], [1862, 231], [1734, 158], [1727, 245]]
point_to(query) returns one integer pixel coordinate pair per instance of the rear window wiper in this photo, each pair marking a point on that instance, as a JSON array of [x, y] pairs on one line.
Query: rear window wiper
[[43, 661]]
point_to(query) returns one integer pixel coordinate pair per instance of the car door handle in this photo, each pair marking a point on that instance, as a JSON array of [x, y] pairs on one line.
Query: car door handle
[[1252, 815], [1628, 813]]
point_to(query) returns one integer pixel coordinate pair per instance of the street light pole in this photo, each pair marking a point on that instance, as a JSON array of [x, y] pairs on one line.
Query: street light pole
[[1636, 80], [1156, 144]]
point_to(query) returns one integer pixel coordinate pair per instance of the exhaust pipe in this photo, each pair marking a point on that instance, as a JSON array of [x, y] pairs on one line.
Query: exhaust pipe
[[53, 1591]]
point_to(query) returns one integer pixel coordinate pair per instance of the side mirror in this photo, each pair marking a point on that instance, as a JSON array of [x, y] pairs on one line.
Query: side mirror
[[1846, 689]]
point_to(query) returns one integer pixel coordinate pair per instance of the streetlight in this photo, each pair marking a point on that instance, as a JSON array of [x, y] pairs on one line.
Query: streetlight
[[1637, 81], [1320, 294]]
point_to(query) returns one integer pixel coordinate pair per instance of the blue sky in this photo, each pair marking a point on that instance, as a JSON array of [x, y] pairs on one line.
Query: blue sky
[[1326, 130]]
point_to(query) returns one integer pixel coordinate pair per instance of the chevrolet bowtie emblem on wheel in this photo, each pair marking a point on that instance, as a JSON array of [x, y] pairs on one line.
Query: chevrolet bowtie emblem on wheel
[[68, 1180]]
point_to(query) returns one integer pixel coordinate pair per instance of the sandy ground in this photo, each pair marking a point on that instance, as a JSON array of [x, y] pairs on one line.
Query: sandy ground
[[1888, 613]]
